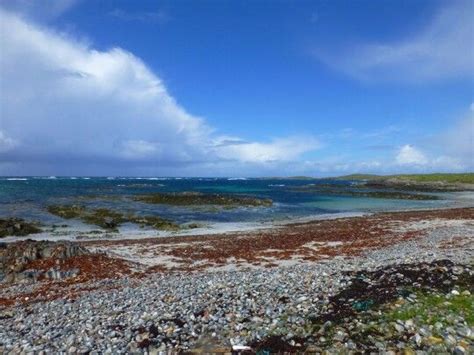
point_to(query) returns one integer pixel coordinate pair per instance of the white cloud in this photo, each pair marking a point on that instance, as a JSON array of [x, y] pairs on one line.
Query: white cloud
[[450, 150], [139, 149], [6, 143], [63, 101], [286, 149], [443, 49], [409, 155], [453, 150], [459, 140]]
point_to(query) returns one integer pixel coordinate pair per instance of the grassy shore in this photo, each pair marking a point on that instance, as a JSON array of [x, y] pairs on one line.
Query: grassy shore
[[462, 178]]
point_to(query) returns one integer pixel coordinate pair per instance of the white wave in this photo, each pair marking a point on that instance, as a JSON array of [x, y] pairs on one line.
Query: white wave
[[277, 185], [236, 178], [17, 179]]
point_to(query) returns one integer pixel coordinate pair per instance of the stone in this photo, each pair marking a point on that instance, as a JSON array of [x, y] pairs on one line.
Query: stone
[[434, 340], [459, 350]]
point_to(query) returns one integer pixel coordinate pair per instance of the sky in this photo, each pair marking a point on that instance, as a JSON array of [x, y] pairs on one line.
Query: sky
[[236, 88]]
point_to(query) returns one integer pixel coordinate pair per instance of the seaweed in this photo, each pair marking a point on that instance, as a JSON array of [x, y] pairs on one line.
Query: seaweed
[[109, 219], [377, 288], [197, 198], [17, 227]]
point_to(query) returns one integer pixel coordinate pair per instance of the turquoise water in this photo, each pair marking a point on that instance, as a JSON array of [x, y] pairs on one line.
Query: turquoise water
[[28, 197]]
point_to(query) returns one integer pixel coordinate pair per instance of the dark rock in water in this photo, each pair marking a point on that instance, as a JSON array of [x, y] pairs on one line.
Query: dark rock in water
[[15, 259], [67, 212], [109, 219], [196, 198], [16, 227], [110, 223], [362, 191]]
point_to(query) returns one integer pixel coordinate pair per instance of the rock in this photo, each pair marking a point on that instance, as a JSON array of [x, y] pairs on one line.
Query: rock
[[399, 327], [418, 339], [17, 227], [15, 258], [459, 350], [434, 340]]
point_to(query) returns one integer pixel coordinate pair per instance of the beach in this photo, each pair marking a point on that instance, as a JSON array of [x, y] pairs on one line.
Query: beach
[[377, 282], [236, 177]]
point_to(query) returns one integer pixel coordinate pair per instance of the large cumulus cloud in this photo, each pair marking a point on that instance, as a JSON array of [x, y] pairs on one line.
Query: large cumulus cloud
[[65, 105]]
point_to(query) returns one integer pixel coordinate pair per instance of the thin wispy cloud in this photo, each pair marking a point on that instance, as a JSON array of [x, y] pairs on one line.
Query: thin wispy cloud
[[41, 10], [443, 49], [159, 16]]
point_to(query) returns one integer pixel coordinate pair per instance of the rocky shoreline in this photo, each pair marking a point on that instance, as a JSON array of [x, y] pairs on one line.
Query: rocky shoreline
[[397, 282]]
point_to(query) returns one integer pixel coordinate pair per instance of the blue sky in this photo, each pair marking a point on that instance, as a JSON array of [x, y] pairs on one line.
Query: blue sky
[[236, 88]]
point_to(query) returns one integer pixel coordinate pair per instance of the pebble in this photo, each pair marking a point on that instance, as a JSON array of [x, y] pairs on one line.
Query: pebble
[[227, 308]]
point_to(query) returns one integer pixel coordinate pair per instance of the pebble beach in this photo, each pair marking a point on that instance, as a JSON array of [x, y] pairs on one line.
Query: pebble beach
[[322, 304]]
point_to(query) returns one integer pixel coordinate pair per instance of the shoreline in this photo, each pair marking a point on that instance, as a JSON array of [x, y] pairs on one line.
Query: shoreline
[[218, 228], [291, 244], [193, 294]]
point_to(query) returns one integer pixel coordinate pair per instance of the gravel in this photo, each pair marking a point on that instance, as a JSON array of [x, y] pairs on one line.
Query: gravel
[[255, 309]]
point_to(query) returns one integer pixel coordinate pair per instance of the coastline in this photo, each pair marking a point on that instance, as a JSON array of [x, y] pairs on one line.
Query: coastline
[[270, 289], [297, 242], [464, 199]]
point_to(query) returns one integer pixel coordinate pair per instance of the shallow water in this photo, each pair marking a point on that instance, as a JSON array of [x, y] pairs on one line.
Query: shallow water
[[28, 197]]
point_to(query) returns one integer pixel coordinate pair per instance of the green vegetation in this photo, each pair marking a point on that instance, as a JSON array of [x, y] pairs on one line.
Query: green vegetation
[[467, 178], [197, 198], [67, 212], [301, 178], [109, 219], [358, 177], [432, 308], [155, 222], [17, 227], [462, 178]]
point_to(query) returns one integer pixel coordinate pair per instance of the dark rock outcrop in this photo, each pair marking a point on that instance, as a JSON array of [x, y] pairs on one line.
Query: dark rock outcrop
[[16, 259], [16, 227], [187, 198], [109, 219]]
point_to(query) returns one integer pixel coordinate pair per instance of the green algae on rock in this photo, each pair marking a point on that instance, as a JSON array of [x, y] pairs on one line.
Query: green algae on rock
[[66, 211], [109, 219], [17, 227], [197, 198], [154, 222]]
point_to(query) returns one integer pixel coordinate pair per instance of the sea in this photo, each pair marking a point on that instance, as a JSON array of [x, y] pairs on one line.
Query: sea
[[29, 197]]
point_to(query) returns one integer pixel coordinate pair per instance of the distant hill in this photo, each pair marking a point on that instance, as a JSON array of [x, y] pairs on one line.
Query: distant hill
[[288, 178], [462, 178]]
